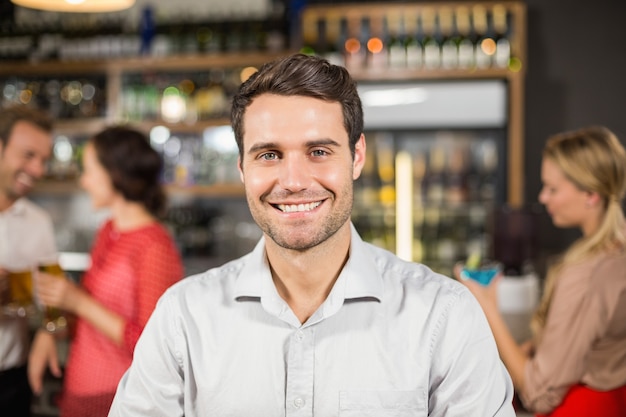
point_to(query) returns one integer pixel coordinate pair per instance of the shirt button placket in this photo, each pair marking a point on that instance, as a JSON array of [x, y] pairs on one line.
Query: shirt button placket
[[300, 376]]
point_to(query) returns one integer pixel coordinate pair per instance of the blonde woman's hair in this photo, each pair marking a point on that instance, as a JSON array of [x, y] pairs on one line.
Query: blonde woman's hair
[[594, 160]]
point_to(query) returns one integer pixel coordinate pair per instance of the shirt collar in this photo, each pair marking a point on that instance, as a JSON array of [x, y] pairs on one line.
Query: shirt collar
[[17, 208], [360, 277]]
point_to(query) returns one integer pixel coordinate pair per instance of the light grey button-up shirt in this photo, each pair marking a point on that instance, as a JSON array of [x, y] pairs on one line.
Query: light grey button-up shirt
[[392, 339]]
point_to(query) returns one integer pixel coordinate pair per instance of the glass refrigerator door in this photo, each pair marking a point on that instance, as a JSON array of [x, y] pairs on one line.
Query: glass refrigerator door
[[435, 168]]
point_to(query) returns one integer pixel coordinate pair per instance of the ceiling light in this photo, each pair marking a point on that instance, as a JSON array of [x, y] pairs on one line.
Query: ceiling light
[[76, 6]]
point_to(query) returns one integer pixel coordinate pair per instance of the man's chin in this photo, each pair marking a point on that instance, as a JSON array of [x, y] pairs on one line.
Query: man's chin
[[20, 191]]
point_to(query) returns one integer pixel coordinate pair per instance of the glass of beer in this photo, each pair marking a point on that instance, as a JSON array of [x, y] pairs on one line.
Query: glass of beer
[[18, 297], [54, 320]]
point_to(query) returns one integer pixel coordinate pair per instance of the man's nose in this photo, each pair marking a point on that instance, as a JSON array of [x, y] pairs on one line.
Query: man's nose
[[37, 168], [294, 173]]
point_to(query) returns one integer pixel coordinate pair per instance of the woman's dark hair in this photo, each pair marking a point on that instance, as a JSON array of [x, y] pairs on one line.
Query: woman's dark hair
[[301, 75], [134, 166]]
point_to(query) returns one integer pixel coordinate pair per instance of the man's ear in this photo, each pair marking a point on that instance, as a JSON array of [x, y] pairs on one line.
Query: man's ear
[[359, 157], [240, 168]]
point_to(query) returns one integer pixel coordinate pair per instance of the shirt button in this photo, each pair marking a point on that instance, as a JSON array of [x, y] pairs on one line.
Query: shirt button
[[300, 335], [298, 402]]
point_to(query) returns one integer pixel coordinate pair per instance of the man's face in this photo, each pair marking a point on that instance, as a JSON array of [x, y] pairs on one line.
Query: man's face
[[23, 159], [297, 169]]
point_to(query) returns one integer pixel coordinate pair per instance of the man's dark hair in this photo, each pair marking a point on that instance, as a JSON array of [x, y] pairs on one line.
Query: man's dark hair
[[10, 116], [301, 75]]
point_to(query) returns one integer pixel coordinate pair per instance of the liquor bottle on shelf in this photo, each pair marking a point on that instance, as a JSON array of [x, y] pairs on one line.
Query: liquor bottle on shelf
[[310, 33], [446, 243], [485, 47], [354, 47], [385, 157], [432, 38], [450, 39], [456, 192], [503, 44], [434, 180], [332, 34], [377, 54], [367, 192], [413, 46], [419, 170], [216, 93], [466, 46], [396, 48], [488, 163], [430, 234], [418, 234]]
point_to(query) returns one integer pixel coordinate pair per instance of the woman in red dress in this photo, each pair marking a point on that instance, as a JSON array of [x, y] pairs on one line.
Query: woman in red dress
[[133, 261]]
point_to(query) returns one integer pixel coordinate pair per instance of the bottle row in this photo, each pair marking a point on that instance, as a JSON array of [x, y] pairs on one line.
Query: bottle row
[[149, 39], [453, 181], [169, 97], [62, 97], [445, 37], [180, 97], [452, 168], [442, 235]]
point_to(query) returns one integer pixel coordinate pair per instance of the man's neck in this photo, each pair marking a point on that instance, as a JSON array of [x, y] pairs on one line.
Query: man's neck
[[6, 202], [304, 279]]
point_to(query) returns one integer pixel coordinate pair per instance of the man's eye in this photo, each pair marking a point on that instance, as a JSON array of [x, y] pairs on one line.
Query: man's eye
[[319, 152], [269, 156]]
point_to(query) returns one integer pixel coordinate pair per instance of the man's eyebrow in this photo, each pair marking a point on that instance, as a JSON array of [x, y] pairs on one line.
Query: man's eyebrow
[[325, 141], [262, 146], [273, 145]]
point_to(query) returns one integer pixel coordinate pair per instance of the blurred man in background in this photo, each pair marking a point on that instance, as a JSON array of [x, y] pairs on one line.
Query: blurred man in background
[[26, 237]]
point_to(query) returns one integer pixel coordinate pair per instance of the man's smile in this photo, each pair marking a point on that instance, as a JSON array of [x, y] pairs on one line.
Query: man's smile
[[294, 208]]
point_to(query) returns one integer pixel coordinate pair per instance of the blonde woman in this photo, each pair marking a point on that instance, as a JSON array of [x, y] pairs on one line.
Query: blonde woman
[[576, 363]]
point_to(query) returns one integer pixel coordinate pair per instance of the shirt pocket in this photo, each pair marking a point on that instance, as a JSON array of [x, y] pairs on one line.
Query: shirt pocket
[[381, 404]]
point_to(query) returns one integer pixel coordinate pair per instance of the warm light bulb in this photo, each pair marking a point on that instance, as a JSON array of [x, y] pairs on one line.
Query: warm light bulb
[[375, 45], [352, 46], [488, 46], [76, 6]]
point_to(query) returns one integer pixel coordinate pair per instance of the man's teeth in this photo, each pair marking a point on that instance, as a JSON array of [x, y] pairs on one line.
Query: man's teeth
[[25, 179], [292, 208]]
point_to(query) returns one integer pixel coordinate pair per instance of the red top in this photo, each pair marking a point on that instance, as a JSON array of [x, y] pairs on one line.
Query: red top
[[582, 401], [129, 272]]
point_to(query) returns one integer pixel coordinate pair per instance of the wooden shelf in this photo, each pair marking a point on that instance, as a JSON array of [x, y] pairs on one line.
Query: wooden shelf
[[68, 186], [213, 190], [51, 186], [195, 127], [137, 64], [439, 74], [85, 126]]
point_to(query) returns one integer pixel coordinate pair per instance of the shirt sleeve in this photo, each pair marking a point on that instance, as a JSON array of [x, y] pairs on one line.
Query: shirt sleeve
[[154, 383], [468, 377], [158, 267], [573, 321]]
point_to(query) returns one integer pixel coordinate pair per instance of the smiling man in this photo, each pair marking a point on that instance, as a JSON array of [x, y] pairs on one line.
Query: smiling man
[[314, 321], [26, 237]]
